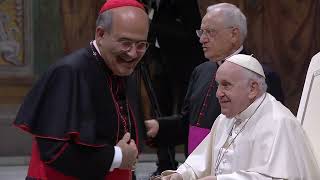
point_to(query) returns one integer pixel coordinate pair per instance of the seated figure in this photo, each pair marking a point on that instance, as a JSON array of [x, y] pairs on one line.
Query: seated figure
[[255, 137]]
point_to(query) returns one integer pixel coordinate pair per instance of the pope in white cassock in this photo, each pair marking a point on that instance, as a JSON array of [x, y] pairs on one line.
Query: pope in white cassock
[[255, 137]]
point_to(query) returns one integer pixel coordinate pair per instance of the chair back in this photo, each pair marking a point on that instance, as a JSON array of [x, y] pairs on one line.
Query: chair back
[[309, 107]]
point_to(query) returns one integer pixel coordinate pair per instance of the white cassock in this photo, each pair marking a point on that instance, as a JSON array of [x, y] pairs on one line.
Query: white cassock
[[270, 144]]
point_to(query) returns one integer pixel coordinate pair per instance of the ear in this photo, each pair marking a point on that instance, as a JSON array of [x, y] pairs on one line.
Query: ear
[[253, 89], [235, 34], [100, 33]]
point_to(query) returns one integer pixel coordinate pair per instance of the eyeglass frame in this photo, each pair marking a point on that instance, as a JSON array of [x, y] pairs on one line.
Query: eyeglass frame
[[129, 46], [211, 32]]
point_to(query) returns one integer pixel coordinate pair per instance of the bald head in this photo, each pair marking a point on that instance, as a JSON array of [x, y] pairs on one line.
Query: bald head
[[127, 15]]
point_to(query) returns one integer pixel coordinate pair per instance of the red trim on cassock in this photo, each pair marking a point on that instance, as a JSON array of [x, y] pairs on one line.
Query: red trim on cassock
[[58, 154], [39, 170], [75, 136], [135, 126]]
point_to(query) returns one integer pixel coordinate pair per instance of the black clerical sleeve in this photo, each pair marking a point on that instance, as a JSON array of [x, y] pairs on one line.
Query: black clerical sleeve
[[76, 160], [176, 124], [172, 130]]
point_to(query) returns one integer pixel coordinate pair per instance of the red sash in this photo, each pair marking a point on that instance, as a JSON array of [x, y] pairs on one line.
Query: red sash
[[119, 174], [39, 170]]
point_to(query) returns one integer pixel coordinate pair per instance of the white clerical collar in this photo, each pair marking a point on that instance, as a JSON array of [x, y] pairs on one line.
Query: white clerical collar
[[96, 46], [251, 109], [234, 53]]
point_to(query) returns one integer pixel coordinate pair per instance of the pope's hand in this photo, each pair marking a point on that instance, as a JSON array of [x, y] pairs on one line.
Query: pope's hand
[[152, 126], [174, 176], [209, 178], [129, 152]]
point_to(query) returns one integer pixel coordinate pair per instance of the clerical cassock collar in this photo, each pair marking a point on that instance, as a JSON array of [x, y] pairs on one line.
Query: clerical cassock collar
[[234, 53], [96, 46], [247, 113], [96, 53]]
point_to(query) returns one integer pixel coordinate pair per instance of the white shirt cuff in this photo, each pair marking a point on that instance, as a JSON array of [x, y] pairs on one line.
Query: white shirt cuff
[[186, 172], [117, 158]]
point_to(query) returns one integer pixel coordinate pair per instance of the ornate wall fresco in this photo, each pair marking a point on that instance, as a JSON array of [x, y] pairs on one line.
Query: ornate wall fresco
[[15, 32]]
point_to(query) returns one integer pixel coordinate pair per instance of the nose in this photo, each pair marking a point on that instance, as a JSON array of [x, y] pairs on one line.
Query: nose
[[133, 51], [219, 92], [203, 39]]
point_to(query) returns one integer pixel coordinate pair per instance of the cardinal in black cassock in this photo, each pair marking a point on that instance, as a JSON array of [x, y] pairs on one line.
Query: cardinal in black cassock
[[77, 112]]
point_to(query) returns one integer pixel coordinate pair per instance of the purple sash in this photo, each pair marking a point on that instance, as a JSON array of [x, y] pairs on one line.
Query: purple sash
[[196, 135]]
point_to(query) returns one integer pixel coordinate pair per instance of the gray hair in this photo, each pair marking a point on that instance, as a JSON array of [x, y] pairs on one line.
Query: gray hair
[[252, 76], [233, 17], [105, 20]]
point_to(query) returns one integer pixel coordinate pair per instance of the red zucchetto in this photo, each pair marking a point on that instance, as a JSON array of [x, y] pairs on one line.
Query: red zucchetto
[[110, 4]]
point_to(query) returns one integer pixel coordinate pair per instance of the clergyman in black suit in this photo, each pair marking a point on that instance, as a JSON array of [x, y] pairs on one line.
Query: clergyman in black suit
[[175, 51]]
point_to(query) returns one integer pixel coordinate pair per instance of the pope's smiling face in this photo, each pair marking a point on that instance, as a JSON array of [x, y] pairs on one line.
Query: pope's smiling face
[[234, 92]]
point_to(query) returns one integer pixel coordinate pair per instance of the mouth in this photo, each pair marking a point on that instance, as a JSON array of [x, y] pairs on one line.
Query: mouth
[[223, 102], [128, 63], [125, 59]]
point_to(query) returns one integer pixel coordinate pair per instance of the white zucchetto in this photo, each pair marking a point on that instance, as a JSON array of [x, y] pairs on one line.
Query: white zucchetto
[[248, 62]]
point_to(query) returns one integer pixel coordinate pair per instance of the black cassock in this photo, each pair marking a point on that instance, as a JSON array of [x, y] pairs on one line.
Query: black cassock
[[76, 113]]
